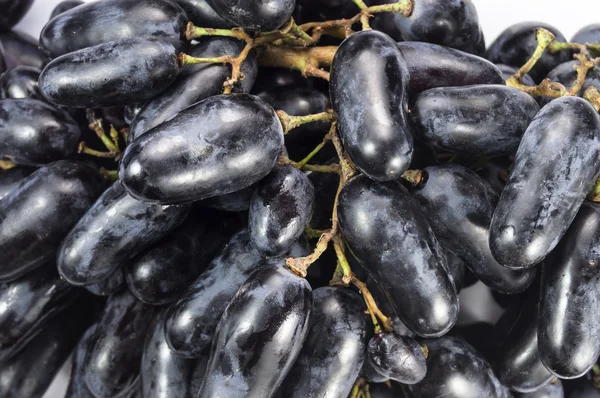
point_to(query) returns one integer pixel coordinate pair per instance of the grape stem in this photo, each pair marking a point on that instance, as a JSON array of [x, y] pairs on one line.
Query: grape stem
[[110, 175], [593, 96], [289, 122], [360, 389], [6, 165], [110, 141], [306, 60]]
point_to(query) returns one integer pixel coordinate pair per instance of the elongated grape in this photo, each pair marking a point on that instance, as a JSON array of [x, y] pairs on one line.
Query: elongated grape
[[390, 236], [516, 45], [10, 179], [459, 205], [555, 166], [115, 353], [113, 231], [375, 132], [20, 82], [64, 6], [384, 304], [456, 370], [108, 286], [164, 374], [51, 132], [550, 390], [479, 120], [165, 271], [260, 16], [397, 357], [588, 34], [37, 215], [12, 12], [234, 201], [452, 23], [22, 49], [202, 14], [110, 74], [259, 336], [334, 350], [241, 139], [77, 387], [197, 375], [101, 22], [431, 65], [195, 83], [569, 333]]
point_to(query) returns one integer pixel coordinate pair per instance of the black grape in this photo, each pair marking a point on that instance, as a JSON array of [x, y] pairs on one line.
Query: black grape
[[11, 12], [113, 231], [162, 273], [131, 111], [64, 6], [20, 82], [508, 71], [569, 332], [77, 387], [480, 120], [234, 201], [456, 370], [241, 139], [456, 267], [384, 21], [385, 305], [52, 134], [280, 210], [2, 60], [108, 286], [333, 352], [195, 83], [259, 336], [37, 215], [588, 34], [197, 375], [370, 374], [550, 390], [11, 178], [261, 16], [22, 49], [115, 352], [451, 23], [104, 21], [459, 205], [390, 236], [375, 132], [202, 14], [28, 303], [516, 45], [163, 373], [432, 65], [556, 164], [397, 357], [110, 74]]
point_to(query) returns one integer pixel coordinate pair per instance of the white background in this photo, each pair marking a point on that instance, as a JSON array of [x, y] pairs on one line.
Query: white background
[[494, 16]]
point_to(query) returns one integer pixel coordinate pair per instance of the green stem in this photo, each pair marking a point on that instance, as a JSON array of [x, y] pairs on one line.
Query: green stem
[[6, 164], [110, 175], [184, 60], [544, 38], [594, 195], [289, 122], [318, 148], [196, 32]]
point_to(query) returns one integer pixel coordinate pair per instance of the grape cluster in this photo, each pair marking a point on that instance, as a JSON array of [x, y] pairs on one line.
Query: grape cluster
[[279, 198]]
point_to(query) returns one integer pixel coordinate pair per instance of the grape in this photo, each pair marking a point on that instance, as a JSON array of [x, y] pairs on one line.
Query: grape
[[569, 332], [131, 111], [28, 304], [65, 6], [280, 210], [104, 21], [110, 74], [459, 205], [385, 21], [202, 14], [370, 101], [588, 34], [451, 23], [77, 387], [10, 179], [566, 74], [272, 79], [161, 274], [397, 357], [390, 236], [432, 65], [22, 49], [554, 168], [20, 82], [518, 364], [195, 83], [2, 60], [115, 352], [12, 12], [259, 336], [164, 374], [456, 267], [334, 349], [108, 286], [51, 132], [234, 201], [114, 230], [197, 375], [550, 390], [456, 370], [508, 71], [370, 374], [38, 214], [219, 145], [480, 120], [516, 44], [260, 16]]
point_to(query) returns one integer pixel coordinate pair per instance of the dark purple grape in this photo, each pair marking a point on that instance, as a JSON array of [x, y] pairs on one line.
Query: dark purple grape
[[131, 111], [113, 231], [33, 132], [384, 21], [20, 82], [114, 354], [370, 374], [516, 45], [385, 305], [3, 66], [451, 23], [195, 83], [11, 12], [397, 357], [508, 71], [390, 236], [432, 65], [202, 14], [235, 201], [64, 6], [480, 120], [102, 22], [217, 146], [550, 390], [259, 336], [108, 286], [569, 332], [333, 352], [22, 49], [37, 215], [110, 74], [77, 387], [371, 104], [197, 375], [588, 34], [164, 374], [459, 205], [262, 16], [556, 164], [456, 267], [456, 370], [11, 178]]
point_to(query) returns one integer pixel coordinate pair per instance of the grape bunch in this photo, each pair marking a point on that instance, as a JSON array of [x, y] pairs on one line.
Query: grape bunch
[[279, 198]]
